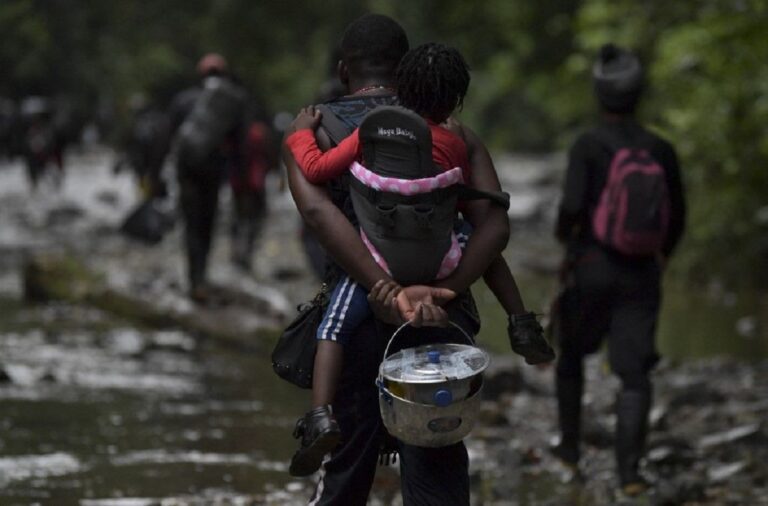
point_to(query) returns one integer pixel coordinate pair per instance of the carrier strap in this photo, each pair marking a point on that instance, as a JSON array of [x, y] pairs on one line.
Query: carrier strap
[[336, 129], [376, 196], [437, 196], [499, 198]]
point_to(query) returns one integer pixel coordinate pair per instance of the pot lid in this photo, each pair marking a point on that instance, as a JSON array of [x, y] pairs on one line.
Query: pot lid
[[434, 363]]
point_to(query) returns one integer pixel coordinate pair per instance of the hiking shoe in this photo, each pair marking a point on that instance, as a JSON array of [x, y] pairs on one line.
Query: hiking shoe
[[527, 339], [568, 459], [567, 454], [319, 434]]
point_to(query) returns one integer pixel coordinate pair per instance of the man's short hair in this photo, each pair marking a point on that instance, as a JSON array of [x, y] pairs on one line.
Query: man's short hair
[[373, 45]]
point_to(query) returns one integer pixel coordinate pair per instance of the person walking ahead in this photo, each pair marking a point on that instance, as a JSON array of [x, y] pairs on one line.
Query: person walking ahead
[[621, 217], [208, 124]]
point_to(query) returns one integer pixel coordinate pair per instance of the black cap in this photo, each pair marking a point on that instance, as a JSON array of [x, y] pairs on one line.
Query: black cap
[[618, 79]]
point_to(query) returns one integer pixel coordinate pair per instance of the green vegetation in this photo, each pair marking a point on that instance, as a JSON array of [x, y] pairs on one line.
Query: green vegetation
[[530, 91]]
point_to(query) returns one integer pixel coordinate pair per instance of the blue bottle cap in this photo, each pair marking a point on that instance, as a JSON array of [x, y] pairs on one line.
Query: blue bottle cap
[[443, 398], [433, 356]]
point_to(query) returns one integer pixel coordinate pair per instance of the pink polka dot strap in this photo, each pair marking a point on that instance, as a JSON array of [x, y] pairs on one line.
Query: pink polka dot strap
[[406, 186]]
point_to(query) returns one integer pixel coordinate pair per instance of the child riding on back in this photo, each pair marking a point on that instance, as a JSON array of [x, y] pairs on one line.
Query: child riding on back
[[432, 81]]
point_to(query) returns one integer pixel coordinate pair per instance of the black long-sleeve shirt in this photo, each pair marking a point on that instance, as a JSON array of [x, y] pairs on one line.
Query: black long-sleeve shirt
[[588, 164]]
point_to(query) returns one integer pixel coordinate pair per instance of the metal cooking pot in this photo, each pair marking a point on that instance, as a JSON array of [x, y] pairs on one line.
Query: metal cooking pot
[[430, 395]]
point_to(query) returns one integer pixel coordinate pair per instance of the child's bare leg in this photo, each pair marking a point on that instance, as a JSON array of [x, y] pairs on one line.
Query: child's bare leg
[[329, 359], [318, 430], [502, 283]]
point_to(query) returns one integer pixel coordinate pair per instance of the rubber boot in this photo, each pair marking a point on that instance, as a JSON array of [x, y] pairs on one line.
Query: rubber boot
[[569, 414], [632, 408]]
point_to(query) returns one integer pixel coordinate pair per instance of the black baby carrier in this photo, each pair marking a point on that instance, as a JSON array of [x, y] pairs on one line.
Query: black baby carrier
[[406, 205]]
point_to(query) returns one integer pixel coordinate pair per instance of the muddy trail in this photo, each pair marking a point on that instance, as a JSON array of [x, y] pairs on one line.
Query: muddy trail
[[99, 410]]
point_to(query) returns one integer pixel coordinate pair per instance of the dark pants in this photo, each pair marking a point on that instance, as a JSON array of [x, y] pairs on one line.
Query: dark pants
[[429, 476], [249, 210], [199, 201], [614, 298]]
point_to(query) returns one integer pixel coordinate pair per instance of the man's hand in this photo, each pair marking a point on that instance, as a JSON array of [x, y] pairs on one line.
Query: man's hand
[[308, 118], [383, 302], [429, 315], [420, 305], [428, 295]]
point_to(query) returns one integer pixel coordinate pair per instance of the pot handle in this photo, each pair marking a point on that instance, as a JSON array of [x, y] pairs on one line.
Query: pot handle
[[401, 327]]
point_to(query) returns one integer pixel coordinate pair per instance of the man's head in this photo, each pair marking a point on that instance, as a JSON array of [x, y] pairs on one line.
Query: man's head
[[371, 49], [618, 79], [211, 64], [432, 80]]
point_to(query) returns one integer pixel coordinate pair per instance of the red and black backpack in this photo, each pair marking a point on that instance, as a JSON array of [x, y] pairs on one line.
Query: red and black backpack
[[632, 214]]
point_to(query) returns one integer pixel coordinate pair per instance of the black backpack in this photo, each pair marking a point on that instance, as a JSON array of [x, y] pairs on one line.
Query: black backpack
[[217, 110]]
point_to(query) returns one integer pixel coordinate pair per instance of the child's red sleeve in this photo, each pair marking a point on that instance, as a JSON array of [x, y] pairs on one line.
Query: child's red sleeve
[[319, 167]]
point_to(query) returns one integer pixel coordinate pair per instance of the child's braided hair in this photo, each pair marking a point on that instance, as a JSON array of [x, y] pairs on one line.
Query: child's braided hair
[[432, 80]]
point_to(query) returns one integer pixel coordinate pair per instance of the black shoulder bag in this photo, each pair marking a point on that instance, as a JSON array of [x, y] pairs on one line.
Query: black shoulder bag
[[293, 358], [294, 355]]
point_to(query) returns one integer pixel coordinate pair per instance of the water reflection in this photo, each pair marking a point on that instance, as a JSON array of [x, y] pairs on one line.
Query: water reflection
[[124, 412]]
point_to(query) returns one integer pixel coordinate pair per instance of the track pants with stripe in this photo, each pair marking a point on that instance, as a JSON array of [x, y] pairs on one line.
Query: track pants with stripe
[[347, 309]]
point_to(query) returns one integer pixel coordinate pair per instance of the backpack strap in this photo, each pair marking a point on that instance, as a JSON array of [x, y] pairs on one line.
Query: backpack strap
[[336, 129], [437, 196]]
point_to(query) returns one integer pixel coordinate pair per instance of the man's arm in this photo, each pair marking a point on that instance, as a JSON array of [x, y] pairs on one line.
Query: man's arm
[[573, 204], [331, 228], [676, 200], [490, 222]]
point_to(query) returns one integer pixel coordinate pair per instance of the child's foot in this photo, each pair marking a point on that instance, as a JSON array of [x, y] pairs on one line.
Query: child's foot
[[319, 434], [527, 339]]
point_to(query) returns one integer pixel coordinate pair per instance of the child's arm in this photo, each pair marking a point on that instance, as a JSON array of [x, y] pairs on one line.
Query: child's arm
[[319, 167], [497, 276]]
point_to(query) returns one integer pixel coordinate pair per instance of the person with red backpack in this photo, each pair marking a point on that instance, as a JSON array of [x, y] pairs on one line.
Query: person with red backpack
[[621, 216], [248, 184]]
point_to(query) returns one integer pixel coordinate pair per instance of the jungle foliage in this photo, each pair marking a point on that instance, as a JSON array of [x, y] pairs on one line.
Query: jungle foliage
[[708, 68]]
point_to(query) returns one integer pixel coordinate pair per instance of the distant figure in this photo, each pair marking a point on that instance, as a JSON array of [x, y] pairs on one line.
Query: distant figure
[[248, 184], [208, 122], [145, 144], [41, 143], [621, 216], [8, 120]]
